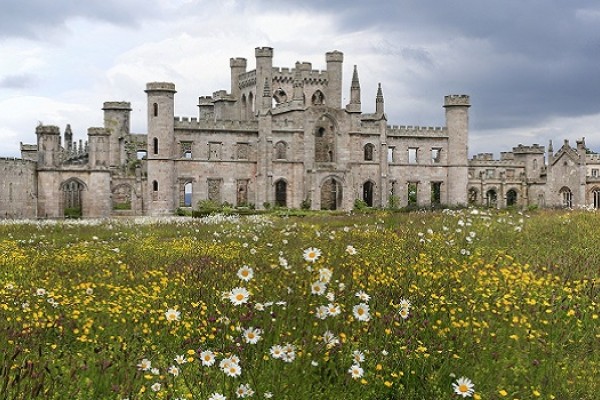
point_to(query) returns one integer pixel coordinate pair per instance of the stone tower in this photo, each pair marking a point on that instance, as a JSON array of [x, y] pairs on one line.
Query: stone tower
[[334, 60], [457, 123], [116, 121], [161, 149]]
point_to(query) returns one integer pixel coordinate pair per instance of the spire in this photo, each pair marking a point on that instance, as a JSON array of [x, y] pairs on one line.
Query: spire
[[298, 93], [354, 105], [379, 109], [68, 138]]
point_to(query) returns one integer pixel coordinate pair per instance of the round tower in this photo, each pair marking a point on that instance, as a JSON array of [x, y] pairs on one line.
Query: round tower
[[161, 183], [457, 124], [116, 121], [334, 60]]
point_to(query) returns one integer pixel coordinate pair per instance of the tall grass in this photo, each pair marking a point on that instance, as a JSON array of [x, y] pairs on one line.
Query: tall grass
[[125, 309]]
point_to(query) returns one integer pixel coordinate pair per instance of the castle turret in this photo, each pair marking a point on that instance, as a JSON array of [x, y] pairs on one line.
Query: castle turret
[[457, 123], [238, 67], [379, 109], [117, 122], [161, 148], [68, 139], [264, 70], [335, 60], [99, 147], [298, 91], [48, 144], [354, 105]]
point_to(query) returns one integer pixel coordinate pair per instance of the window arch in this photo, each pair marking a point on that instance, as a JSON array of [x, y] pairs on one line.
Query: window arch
[[155, 109], [72, 197], [155, 145], [281, 193], [318, 98], [511, 198], [566, 197], [280, 96], [368, 189], [368, 151], [491, 198], [596, 197], [281, 150]]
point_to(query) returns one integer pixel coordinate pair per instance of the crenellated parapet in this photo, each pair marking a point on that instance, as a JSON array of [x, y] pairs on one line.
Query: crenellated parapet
[[195, 124], [457, 100], [533, 149], [160, 87], [416, 131]]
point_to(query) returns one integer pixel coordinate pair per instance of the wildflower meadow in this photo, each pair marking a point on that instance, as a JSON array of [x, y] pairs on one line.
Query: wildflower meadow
[[426, 305]]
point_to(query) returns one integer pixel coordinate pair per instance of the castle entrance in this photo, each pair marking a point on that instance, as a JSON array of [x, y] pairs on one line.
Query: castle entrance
[[368, 193], [331, 194]]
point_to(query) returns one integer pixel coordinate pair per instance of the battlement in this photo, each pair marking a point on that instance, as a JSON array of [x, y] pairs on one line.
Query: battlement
[[238, 62], [194, 123], [483, 157], [334, 56], [310, 76], [205, 101], [222, 95], [457, 100], [117, 105], [28, 147], [409, 130], [507, 155], [94, 131], [11, 162], [263, 52], [592, 157], [160, 87], [534, 148], [47, 130]]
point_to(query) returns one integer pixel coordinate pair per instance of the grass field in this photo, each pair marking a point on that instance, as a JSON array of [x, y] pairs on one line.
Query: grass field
[[371, 306]]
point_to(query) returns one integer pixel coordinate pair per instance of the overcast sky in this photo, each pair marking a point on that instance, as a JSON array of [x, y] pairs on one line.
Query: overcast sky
[[531, 67]]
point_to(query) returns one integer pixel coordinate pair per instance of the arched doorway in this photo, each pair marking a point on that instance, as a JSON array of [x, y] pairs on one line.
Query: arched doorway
[[491, 198], [331, 194], [281, 193], [473, 194], [72, 199], [511, 198], [566, 197], [368, 193]]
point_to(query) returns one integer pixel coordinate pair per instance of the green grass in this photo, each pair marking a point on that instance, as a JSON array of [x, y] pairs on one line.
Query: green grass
[[506, 299]]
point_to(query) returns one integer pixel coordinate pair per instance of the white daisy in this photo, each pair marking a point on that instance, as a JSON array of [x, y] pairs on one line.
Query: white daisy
[[252, 335], [243, 391], [180, 359], [358, 356], [311, 254], [318, 287], [322, 312], [145, 365], [361, 312], [207, 357], [356, 371], [245, 273], [155, 387], [172, 315], [276, 351], [238, 296], [325, 274], [217, 396], [464, 387], [233, 370], [403, 313], [363, 296], [350, 250], [333, 309], [173, 370]]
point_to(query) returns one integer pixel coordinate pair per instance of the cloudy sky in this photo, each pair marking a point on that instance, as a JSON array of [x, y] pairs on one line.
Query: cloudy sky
[[531, 67]]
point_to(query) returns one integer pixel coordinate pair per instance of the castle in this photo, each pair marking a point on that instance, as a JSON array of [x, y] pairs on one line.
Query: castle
[[281, 137]]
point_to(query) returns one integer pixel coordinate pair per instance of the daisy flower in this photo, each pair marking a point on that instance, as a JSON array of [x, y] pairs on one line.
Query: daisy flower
[[217, 396], [207, 357], [252, 335], [245, 273], [311, 254], [318, 287], [233, 370], [330, 339], [464, 387], [40, 292], [172, 315], [361, 312], [180, 359], [276, 351], [322, 312], [173, 370], [333, 309], [156, 387], [243, 391], [356, 371], [403, 313], [404, 303], [238, 296], [363, 296], [145, 365], [325, 274], [350, 250], [358, 357]]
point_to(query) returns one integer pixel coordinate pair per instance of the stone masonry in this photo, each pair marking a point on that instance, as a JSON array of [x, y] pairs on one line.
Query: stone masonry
[[281, 137]]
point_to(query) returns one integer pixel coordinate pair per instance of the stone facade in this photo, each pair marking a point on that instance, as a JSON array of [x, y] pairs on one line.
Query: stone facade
[[280, 136]]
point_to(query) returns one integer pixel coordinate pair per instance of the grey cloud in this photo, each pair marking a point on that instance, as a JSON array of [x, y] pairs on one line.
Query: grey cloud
[[34, 19], [17, 81]]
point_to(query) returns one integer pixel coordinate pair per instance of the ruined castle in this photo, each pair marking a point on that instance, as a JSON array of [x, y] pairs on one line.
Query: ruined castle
[[281, 137]]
